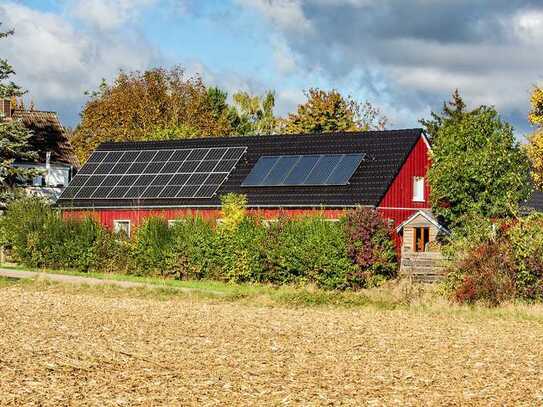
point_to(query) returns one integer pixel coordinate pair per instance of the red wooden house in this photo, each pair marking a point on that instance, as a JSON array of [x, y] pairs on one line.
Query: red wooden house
[[123, 183]]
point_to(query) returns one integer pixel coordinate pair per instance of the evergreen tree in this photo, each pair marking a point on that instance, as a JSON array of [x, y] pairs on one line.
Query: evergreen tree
[[14, 138], [453, 110], [8, 89]]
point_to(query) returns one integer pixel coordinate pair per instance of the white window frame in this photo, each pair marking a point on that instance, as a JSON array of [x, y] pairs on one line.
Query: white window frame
[[419, 189], [37, 181], [118, 222], [173, 222], [269, 222]]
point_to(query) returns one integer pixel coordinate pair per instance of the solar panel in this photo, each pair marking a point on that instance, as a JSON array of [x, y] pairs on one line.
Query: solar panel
[[261, 169], [113, 156], [300, 170], [345, 169], [129, 156], [101, 192], [97, 157], [280, 170], [104, 168], [154, 174], [70, 192], [322, 170]]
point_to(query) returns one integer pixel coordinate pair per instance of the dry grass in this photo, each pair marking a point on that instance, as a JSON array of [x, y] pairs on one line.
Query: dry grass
[[63, 345]]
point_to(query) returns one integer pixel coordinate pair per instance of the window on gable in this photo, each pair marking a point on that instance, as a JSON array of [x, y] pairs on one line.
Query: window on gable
[[418, 189]]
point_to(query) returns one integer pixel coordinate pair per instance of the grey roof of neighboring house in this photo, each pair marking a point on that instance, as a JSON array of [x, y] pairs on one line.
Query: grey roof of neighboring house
[[535, 202], [49, 135]]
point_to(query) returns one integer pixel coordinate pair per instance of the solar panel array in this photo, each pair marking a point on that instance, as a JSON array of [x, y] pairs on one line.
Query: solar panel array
[[297, 170], [154, 174]]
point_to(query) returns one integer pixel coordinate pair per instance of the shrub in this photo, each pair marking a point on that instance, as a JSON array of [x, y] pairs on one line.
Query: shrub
[[25, 223], [41, 238], [486, 276], [152, 240], [192, 253], [370, 247], [308, 250], [112, 255], [238, 249], [75, 243], [233, 211], [493, 263], [525, 240]]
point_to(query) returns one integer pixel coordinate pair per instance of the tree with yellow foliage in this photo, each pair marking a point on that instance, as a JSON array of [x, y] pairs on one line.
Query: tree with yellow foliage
[[155, 104], [330, 112], [535, 146]]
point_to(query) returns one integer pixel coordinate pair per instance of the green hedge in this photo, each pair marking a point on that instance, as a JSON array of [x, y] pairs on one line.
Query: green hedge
[[241, 248]]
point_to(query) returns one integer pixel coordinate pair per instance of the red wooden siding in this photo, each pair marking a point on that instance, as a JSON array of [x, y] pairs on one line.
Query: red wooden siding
[[106, 217], [398, 204]]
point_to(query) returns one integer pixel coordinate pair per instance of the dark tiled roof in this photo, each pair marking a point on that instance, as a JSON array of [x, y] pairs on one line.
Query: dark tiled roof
[[48, 135], [386, 151], [534, 203]]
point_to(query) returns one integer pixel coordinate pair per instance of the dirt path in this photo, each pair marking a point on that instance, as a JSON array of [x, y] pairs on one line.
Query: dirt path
[[80, 280]]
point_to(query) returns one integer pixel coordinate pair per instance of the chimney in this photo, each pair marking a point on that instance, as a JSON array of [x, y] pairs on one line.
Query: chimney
[[5, 108]]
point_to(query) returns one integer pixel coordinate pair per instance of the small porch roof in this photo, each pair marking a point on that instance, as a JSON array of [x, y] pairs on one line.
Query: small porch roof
[[426, 215]]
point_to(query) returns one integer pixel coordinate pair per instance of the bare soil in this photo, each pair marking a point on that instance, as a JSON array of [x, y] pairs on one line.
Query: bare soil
[[63, 346]]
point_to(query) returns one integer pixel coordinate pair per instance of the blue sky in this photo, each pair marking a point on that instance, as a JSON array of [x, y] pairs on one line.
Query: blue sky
[[405, 57]]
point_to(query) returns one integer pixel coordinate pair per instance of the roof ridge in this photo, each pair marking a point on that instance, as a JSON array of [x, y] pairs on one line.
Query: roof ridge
[[292, 135], [35, 111]]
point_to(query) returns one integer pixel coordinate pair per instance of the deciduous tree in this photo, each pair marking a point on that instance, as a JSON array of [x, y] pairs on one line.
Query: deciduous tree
[[157, 103], [477, 167], [255, 113], [535, 145], [329, 111]]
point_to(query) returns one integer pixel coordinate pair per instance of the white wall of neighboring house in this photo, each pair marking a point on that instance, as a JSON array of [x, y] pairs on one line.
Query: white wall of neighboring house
[[51, 182], [57, 176]]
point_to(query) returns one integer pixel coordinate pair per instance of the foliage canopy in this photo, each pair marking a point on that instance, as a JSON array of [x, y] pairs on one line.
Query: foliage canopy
[[154, 104], [453, 111], [477, 167], [535, 145], [329, 111]]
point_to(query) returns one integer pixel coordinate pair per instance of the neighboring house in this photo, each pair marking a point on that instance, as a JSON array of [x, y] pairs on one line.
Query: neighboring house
[[123, 183], [56, 159]]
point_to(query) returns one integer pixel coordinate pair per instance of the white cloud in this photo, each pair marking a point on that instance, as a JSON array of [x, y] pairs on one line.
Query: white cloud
[[57, 63], [284, 58], [421, 49], [287, 100], [108, 14], [287, 14], [528, 25]]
